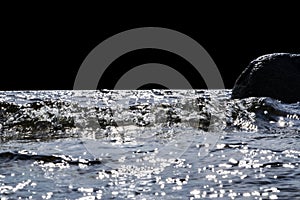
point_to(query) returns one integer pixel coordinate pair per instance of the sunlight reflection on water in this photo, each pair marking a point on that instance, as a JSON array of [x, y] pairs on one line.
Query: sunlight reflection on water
[[147, 145]]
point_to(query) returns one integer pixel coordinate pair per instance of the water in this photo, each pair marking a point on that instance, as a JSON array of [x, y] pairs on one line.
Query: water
[[157, 144]]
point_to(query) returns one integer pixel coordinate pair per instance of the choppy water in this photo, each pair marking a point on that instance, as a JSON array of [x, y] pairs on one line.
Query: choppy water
[[157, 144]]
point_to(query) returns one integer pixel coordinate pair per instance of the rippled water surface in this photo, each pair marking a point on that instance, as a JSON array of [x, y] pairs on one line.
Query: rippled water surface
[[156, 144]]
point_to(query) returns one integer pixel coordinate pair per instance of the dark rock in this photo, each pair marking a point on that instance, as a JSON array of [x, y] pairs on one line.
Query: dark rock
[[273, 75]]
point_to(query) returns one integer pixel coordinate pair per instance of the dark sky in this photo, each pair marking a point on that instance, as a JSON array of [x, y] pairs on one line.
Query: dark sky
[[44, 50]]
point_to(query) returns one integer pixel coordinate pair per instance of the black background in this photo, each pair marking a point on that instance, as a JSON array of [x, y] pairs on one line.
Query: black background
[[43, 48]]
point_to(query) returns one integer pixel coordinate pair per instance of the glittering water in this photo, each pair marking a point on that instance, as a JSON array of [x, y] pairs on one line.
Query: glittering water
[[157, 144]]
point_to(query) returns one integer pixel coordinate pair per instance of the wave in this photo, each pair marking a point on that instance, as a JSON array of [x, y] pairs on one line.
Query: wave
[[45, 115]]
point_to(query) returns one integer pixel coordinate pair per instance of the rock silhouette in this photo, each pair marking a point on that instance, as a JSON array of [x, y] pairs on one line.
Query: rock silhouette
[[273, 75]]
